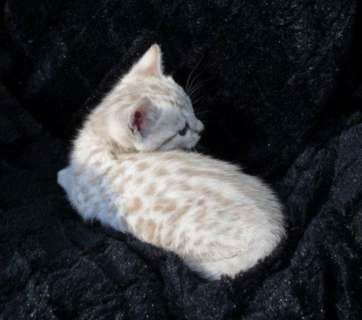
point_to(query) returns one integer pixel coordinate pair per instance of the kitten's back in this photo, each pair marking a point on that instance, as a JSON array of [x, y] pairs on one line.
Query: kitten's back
[[203, 209]]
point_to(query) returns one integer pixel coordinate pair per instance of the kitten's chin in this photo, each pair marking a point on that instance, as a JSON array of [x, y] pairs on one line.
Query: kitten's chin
[[171, 145], [194, 143], [144, 149], [188, 147]]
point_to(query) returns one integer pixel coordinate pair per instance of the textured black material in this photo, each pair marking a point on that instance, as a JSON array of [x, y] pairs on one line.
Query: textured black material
[[282, 96]]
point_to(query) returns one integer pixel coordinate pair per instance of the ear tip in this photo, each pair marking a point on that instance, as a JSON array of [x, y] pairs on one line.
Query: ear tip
[[150, 63], [156, 47]]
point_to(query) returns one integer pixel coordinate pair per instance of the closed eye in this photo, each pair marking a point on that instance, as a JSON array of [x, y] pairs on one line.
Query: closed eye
[[183, 131]]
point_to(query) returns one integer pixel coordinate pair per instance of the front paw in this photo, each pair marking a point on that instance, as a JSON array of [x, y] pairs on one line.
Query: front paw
[[63, 177]]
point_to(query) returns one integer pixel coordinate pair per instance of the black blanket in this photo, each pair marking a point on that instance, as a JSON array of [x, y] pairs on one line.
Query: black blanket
[[280, 91]]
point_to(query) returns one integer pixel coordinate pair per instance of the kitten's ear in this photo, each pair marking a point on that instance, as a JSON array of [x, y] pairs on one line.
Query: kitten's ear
[[142, 117], [150, 64]]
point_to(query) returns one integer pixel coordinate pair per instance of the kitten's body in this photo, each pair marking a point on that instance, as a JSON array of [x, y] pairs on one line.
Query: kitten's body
[[219, 220]]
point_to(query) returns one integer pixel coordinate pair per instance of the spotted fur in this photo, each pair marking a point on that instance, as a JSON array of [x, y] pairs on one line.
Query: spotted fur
[[130, 170]]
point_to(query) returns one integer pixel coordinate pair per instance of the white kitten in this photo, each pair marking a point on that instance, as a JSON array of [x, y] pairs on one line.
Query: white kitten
[[128, 170]]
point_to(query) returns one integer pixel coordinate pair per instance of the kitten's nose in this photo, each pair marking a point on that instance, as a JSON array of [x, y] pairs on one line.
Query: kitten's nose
[[200, 126]]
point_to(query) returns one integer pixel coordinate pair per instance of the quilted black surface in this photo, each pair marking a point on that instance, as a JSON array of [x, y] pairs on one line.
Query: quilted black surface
[[281, 94]]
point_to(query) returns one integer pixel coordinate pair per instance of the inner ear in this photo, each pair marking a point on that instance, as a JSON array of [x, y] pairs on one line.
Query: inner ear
[[150, 64], [143, 117], [138, 120]]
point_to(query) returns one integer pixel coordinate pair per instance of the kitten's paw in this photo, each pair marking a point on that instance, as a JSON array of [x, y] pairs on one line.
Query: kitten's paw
[[63, 177]]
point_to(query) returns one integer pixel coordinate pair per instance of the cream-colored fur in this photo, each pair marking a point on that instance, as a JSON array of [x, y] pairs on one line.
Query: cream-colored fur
[[129, 170]]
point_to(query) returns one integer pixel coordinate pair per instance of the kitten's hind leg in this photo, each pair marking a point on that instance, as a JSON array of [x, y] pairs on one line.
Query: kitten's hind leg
[[214, 269]]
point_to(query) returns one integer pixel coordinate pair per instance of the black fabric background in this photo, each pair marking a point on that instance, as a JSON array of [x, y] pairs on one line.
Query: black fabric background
[[281, 95]]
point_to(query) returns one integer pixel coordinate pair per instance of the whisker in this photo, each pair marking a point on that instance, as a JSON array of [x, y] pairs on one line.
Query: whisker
[[192, 73], [196, 78], [199, 86], [193, 82], [203, 112], [197, 100], [189, 78]]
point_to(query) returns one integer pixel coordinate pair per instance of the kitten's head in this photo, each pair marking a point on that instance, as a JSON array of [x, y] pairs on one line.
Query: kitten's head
[[148, 110]]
